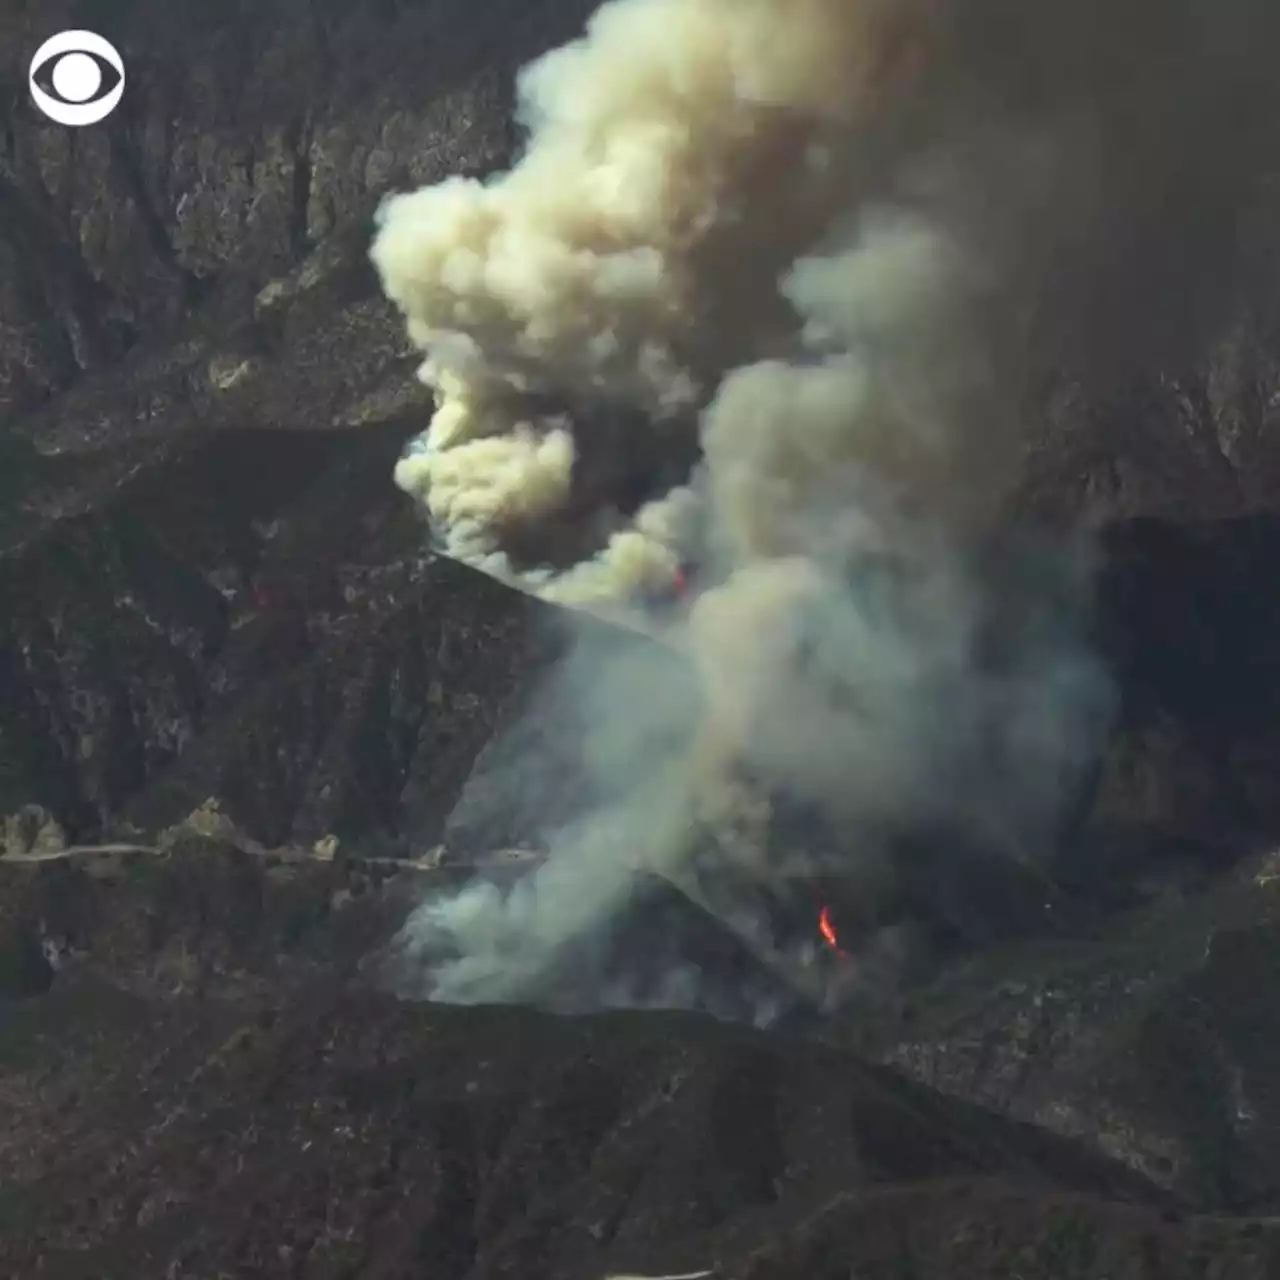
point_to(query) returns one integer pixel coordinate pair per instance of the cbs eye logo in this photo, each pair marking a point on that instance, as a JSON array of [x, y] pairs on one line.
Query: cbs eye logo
[[76, 78]]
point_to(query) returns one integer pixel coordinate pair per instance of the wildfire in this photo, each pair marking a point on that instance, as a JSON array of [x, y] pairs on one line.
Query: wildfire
[[827, 929]]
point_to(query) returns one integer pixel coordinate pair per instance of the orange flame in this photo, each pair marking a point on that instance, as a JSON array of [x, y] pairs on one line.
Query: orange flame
[[827, 929]]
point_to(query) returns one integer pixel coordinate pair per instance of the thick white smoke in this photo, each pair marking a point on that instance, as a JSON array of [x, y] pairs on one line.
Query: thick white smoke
[[843, 241], [682, 155]]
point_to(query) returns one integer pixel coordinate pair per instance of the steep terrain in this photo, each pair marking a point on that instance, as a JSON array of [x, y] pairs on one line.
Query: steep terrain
[[210, 590], [202, 391]]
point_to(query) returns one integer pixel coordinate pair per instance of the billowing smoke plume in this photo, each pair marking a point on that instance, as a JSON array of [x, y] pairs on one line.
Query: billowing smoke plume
[[844, 244], [682, 156]]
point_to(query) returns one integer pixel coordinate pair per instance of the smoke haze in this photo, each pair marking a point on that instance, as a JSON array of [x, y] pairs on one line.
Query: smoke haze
[[844, 244]]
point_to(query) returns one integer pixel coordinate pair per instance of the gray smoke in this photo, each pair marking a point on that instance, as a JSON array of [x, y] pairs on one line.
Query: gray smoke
[[847, 242]]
